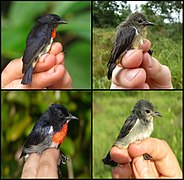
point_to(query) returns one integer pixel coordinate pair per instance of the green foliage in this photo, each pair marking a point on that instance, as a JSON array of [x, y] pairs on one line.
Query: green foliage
[[110, 109], [163, 9], [105, 11], [20, 110], [110, 13], [75, 36]]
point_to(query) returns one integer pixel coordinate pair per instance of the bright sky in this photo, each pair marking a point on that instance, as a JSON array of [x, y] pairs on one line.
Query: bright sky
[[134, 3], [138, 3]]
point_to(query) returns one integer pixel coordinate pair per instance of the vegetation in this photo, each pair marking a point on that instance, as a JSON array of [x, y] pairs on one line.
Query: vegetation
[[110, 109]]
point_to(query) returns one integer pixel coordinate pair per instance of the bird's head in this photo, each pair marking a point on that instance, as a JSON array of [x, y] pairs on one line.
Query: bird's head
[[138, 20], [145, 110], [52, 19], [59, 115]]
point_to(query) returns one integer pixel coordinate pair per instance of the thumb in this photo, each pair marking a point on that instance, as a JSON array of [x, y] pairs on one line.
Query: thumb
[[163, 157]]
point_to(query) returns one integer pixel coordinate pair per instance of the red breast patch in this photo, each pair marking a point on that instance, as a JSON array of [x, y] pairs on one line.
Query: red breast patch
[[54, 33], [60, 136]]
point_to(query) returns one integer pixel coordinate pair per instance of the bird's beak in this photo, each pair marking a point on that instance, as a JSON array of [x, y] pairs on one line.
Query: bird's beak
[[157, 114], [71, 117], [149, 23], [74, 118], [62, 22]]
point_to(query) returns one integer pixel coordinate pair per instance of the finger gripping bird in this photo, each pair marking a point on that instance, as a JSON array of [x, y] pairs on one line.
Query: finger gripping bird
[[130, 35], [138, 126]]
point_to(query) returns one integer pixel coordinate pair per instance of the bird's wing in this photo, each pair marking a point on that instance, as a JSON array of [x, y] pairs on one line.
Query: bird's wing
[[38, 38], [124, 38], [128, 125], [38, 134], [123, 42]]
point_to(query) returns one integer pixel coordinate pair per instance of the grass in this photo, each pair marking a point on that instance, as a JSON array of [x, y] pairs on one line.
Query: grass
[[110, 110], [166, 46]]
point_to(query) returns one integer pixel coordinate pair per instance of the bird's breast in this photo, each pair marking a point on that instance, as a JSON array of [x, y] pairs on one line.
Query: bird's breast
[[59, 137], [139, 38], [137, 42], [138, 132]]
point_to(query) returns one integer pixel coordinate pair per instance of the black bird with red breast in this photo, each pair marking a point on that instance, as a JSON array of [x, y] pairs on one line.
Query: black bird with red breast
[[38, 43], [49, 131]]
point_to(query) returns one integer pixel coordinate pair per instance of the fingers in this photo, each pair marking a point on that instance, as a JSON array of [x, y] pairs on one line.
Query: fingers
[[31, 166], [161, 153], [56, 48], [42, 80], [139, 70], [10, 73], [122, 171], [48, 78], [152, 146], [65, 82], [129, 78], [60, 58], [146, 46], [159, 75], [129, 75], [132, 59], [142, 168], [41, 166], [120, 156], [48, 164], [48, 71], [46, 62]]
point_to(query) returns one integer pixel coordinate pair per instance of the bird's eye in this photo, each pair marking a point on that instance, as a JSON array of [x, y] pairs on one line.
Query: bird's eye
[[147, 111], [139, 21]]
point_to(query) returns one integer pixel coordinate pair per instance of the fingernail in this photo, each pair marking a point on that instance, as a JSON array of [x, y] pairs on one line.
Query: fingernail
[[131, 74], [42, 58], [137, 142], [121, 165], [129, 53]]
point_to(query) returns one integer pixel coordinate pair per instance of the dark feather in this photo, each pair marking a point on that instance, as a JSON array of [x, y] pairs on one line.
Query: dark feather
[[123, 42]]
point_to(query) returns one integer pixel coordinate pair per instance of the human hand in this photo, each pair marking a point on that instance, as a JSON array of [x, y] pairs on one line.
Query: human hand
[[139, 70], [164, 163], [44, 166], [49, 72]]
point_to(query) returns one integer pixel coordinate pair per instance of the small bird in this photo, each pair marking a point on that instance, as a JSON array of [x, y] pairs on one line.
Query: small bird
[[138, 126], [38, 43], [130, 35], [49, 131]]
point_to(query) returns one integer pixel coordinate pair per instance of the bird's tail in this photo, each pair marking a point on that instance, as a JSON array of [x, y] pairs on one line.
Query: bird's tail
[[108, 161], [27, 78], [111, 67]]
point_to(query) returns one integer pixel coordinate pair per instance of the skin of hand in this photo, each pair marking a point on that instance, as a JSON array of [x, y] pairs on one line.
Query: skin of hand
[[163, 165], [49, 72], [139, 70], [37, 166]]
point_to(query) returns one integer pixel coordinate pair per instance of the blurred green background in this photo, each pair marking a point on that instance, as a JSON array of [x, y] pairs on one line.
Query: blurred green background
[[110, 110], [17, 19], [19, 112]]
